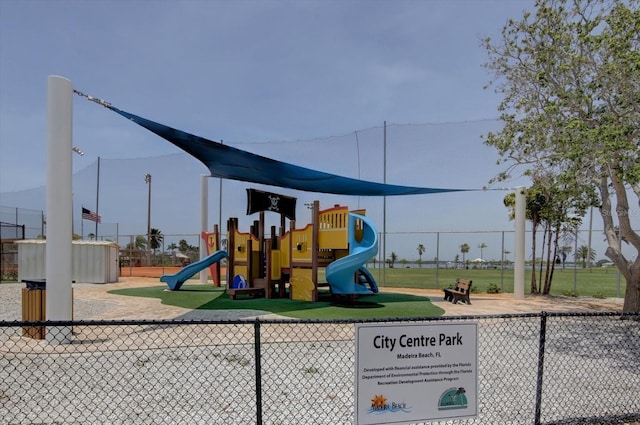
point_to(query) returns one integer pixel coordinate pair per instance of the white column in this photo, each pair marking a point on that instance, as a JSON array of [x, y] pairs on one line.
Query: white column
[[204, 223], [518, 271], [59, 204]]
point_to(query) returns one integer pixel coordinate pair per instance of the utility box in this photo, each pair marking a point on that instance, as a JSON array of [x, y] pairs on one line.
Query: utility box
[[92, 261]]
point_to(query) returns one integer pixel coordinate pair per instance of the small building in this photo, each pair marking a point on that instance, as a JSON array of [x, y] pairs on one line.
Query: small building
[[92, 261]]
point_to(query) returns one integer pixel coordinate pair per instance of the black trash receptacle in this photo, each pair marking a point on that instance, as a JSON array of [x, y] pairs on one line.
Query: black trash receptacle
[[35, 283], [34, 302]]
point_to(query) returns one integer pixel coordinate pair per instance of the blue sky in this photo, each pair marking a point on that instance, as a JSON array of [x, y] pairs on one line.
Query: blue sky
[[308, 82]]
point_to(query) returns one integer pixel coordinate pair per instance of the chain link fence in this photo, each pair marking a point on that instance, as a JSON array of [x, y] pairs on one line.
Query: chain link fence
[[544, 368]]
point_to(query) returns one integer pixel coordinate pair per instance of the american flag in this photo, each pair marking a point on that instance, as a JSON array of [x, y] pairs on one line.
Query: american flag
[[90, 215]]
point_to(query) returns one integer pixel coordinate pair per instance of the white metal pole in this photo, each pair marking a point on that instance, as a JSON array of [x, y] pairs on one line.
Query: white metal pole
[[384, 208], [220, 204], [204, 223], [147, 179], [97, 198], [59, 203], [518, 271]]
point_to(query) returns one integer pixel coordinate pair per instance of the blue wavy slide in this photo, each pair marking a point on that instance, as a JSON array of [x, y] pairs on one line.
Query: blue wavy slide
[[176, 280], [340, 273]]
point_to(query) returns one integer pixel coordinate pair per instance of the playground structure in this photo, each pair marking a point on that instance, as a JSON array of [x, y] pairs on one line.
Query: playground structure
[[287, 263]]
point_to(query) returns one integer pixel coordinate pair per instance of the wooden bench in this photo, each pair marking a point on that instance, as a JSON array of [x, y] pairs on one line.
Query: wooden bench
[[460, 292]]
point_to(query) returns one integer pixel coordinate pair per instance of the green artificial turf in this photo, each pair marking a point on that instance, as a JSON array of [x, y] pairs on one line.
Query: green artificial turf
[[207, 297]]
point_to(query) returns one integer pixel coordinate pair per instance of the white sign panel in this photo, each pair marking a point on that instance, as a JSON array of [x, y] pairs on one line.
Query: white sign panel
[[415, 372]]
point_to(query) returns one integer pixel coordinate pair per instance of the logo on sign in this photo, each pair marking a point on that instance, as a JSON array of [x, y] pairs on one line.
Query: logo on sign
[[380, 404], [453, 398]]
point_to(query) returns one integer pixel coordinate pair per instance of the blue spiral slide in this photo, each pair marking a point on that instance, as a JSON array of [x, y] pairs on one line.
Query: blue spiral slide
[[175, 281], [341, 273]]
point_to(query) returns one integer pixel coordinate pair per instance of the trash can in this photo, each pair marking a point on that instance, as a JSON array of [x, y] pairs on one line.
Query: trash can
[[34, 303]]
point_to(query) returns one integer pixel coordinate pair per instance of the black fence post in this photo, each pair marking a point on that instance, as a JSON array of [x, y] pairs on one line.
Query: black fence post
[[256, 327], [543, 336]]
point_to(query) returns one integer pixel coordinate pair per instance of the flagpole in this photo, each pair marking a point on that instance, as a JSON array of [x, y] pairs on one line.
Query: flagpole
[[81, 222]]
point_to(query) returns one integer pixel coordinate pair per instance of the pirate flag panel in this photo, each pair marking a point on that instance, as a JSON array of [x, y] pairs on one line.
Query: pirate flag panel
[[258, 200]]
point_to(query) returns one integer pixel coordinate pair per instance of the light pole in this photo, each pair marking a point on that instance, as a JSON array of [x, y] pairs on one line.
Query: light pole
[[147, 179]]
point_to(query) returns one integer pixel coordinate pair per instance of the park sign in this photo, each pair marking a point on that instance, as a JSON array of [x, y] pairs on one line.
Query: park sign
[[415, 372]]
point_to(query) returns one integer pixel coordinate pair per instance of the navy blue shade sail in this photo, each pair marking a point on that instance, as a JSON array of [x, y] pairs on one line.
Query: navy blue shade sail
[[228, 162]]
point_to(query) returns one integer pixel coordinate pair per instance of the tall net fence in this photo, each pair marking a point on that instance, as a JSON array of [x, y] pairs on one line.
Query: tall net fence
[[440, 264], [540, 368], [27, 223]]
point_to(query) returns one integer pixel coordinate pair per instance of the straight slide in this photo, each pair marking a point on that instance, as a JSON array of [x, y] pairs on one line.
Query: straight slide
[[341, 273], [175, 281]]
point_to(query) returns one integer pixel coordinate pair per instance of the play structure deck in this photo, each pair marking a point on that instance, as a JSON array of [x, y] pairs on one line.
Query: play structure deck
[[286, 264]]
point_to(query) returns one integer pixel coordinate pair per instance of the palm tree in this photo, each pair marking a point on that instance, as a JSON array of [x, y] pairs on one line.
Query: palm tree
[[183, 246], [392, 259], [91, 236], [140, 243], [506, 252], [155, 239], [584, 253], [482, 246], [421, 249], [464, 249], [172, 250], [564, 252]]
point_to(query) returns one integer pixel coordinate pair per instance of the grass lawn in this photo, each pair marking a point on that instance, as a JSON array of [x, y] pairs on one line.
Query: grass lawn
[[595, 282], [207, 297]]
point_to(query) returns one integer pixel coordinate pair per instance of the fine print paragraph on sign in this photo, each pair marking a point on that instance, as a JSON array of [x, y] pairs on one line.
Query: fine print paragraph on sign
[[415, 372]]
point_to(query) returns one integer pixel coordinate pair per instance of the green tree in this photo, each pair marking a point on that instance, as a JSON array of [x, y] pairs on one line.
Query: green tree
[[140, 242], [421, 249], [482, 246], [547, 209], [172, 247], [568, 73], [392, 259], [464, 249], [584, 253], [506, 252], [155, 239], [565, 250], [183, 246]]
